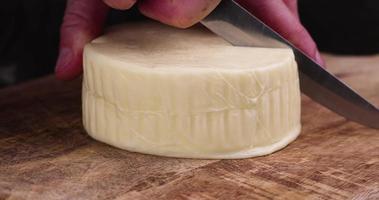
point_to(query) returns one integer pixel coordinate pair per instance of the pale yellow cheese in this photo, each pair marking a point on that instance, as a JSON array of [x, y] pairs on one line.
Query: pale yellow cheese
[[154, 89]]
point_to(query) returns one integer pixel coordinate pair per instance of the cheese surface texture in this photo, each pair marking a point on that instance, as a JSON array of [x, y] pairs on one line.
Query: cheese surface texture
[[154, 89]]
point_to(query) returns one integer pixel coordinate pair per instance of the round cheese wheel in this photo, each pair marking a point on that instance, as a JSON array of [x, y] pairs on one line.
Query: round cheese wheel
[[154, 89]]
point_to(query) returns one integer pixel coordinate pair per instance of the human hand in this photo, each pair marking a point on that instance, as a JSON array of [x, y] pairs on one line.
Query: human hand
[[84, 20]]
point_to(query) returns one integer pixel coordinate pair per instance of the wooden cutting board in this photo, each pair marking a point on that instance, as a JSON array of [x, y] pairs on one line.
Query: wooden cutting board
[[46, 154]]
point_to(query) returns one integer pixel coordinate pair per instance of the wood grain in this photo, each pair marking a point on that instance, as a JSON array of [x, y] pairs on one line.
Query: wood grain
[[46, 154]]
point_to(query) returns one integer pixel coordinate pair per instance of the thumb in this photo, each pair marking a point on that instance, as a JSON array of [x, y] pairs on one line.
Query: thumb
[[82, 22], [179, 13]]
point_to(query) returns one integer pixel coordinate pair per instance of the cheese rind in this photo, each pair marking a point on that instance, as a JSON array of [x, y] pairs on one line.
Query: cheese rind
[[154, 89]]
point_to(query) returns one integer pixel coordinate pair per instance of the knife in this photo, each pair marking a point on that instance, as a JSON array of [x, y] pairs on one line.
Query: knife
[[240, 28]]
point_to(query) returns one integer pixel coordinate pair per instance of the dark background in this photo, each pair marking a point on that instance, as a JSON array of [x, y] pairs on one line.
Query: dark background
[[29, 34]]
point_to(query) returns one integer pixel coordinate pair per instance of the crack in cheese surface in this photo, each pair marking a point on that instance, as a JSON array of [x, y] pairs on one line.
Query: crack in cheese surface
[[158, 90]]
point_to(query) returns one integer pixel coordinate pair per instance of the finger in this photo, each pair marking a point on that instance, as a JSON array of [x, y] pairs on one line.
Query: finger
[[292, 6], [82, 22], [179, 13], [278, 16], [120, 4]]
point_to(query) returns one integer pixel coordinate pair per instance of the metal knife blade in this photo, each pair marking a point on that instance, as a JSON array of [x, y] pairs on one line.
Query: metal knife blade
[[239, 27]]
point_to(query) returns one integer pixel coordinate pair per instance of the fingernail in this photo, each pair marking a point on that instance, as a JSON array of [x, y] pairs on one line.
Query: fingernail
[[319, 59], [64, 59]]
